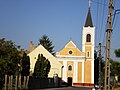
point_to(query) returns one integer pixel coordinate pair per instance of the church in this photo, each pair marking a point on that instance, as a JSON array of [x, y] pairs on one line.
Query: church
[[72, 65], [78, 66]]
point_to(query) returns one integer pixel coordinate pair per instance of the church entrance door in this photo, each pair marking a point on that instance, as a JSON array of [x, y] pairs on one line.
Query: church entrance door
[[69, 81]]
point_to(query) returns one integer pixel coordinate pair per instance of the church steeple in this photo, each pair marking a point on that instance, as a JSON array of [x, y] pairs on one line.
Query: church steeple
[[89, 18]]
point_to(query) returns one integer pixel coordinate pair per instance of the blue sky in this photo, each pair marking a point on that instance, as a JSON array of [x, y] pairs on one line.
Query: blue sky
[[24, 20]]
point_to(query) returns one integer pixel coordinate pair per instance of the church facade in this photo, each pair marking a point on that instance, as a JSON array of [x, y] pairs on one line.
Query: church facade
[[78, 66]]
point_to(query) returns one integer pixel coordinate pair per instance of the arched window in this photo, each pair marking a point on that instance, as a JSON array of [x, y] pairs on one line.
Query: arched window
[[88, 54], [69, 67], [88, 38]]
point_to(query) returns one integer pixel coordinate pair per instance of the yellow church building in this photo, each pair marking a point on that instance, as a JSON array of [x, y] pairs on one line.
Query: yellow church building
[[78, 66], [33, 54], [74, 66]]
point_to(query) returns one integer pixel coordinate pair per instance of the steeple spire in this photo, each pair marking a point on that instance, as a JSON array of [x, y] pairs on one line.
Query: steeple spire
[[89, 18]]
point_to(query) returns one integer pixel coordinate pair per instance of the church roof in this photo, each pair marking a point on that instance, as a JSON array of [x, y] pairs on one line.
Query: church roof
[[89, 19]]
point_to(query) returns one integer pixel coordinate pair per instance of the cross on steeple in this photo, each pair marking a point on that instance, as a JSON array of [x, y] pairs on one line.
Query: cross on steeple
[[88, 3]]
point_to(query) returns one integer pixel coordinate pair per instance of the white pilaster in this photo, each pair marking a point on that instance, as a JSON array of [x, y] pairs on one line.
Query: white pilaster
[[92, 69], [65, 71], [83, 73], [75, 79], [92, 63]]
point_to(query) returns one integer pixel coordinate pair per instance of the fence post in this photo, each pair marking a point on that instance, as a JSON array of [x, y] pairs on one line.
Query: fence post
[[19, 85], [11, 78], [16, 82], [27, 82], [9, 84], [5, 82], [24, 84]]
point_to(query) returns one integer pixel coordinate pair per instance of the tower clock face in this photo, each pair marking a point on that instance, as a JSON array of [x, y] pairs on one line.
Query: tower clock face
[[70, 52]]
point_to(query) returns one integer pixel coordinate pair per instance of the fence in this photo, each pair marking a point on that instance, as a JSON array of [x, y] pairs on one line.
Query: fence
[[15, 83], [30, 83], [41, 83]]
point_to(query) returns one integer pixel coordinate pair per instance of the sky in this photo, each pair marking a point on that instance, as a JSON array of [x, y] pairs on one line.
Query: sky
[[23, 21]]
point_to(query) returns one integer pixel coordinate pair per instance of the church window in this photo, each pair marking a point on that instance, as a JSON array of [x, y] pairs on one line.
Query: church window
[[70, 52], [88, 38], [88, 54], [69, 67]]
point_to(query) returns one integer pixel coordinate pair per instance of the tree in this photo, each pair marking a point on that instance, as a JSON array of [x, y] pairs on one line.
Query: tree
[[25, 61], [96, 68], [47, 44], [9, 58], [115, 68], [42, 67], [117, 52]]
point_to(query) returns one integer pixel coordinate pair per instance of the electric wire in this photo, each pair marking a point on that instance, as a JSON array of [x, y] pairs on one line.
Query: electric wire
[[101, 26], [102, 21], [115, 20], [104, 33], [97, 32], [103, 53], [114, 3], [96, 35], [100, 3]]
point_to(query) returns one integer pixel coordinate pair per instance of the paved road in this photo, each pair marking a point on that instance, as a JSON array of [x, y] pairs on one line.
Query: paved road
[[70, 88]]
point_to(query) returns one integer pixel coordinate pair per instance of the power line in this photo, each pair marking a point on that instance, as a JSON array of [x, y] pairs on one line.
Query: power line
[[103, 52], [101, 16], [114, 3], [104, 33], [99, 34], [116, 12], [97, 21], [102, 20], [100, 3], [115, 21]]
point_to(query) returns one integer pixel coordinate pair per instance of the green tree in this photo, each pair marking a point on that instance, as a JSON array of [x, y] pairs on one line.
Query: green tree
[[115, 68], [9, 58], [47, 44], [117, 52], [96, 68], [25, 61], [42, 67]]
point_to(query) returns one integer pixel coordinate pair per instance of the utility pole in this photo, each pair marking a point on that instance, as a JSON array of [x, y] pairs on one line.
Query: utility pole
[[99, 66], [108, 40]]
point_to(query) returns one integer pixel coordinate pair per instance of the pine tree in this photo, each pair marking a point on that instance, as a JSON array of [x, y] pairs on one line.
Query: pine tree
[[47, 44]]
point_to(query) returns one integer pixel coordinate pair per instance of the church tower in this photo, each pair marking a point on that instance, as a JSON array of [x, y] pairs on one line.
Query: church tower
[[78, 66], [88, 48]]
